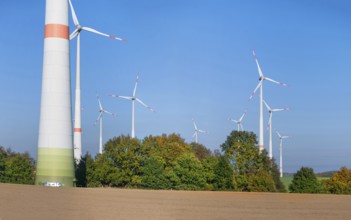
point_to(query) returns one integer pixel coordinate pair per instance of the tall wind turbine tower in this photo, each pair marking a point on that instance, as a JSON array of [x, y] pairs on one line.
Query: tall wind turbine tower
[[134, 98], [101, 111], [77, 107], [55, 163], [281, 153], [259, 85], [239, 121], [196, 131], [270, 111]]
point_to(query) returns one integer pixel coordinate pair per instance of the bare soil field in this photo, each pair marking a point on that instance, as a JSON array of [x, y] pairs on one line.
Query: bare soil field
[[37, 202]]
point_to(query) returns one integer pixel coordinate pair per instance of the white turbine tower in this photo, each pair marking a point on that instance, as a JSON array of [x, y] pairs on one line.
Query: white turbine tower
[[134, 98], [281, 153], [77, 107], [101, 111], [239, 122], [260, 83], [197, 131], [270, 111]]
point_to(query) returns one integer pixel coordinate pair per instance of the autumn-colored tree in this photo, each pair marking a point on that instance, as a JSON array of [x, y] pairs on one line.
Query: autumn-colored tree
[[200, 151], [339, 183], [169, 147]]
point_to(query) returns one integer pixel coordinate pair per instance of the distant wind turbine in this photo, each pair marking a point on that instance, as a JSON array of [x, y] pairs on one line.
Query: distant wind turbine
[[239, 122], [260, 85], [77, 106], [101, 111], [197, 131], [134, 98], [281, 153], [270, 110]]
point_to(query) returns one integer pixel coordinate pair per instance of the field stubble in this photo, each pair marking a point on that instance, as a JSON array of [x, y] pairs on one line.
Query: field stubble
[[35, 202]]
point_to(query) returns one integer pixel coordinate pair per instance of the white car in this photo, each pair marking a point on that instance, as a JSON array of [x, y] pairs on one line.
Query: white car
[[53, 184]]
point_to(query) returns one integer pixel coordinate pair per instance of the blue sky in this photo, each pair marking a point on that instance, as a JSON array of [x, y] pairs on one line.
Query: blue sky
[[195, 61]]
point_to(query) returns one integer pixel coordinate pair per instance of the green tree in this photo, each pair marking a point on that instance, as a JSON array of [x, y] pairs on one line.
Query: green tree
[[252, 169], [81, 171], [339, 183], [121, 163], [16, 167], [190, 172], [3, 157], [305, 181], [223, 174], [154, 174]]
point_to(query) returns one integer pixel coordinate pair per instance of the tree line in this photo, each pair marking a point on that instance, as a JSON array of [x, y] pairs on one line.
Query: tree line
[[168, 162]]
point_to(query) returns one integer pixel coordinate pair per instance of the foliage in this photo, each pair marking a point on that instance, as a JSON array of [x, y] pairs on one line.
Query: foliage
[[223, 174], [81, 171], [200, 151], [169, 147], [16, 167], [339, 183], [305, 181], [119, 166], [252, 169], [190, 172], [154, 174], [286, 180]]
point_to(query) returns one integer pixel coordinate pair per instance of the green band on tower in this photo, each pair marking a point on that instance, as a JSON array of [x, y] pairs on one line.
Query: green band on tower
[[55, 165]]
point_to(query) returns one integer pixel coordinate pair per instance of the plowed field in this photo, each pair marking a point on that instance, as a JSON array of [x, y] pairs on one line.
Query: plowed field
[[35, 202]]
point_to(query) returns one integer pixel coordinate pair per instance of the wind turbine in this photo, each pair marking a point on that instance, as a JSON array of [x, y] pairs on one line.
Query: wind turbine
[[260, 85], [197, 131], [77, 106], [239, 122], [101, 111], [134, 98], [281, 153], [270, 110]]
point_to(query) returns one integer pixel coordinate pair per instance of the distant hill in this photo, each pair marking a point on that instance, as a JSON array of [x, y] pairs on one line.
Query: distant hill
[[326, 174], [322, 174]]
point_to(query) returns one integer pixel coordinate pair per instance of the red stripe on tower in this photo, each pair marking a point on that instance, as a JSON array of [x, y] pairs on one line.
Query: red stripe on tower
[[57, 31]]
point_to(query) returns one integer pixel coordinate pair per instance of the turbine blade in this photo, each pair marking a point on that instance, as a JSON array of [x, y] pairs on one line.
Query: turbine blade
[[148, 107], [103, 34], [107, 112], [194, 134], [253, 93], [242, 128], [280, 83], [267, 106], [278, 109], [98, 118], [74, 34], [258, 65], [233, 120], [279, 134], [98, 98], [122, 97], [269, 120], [194, 125], [202, 131], [241, 118], [136, 85], [74, 16]]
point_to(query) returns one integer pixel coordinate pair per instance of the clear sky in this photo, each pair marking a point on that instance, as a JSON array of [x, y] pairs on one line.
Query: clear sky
[[194, 61]]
